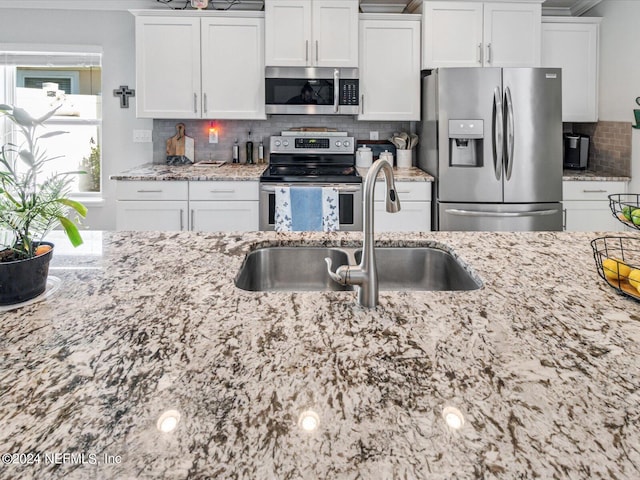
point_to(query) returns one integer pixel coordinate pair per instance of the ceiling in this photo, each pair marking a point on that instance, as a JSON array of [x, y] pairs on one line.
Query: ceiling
[[549, 7]]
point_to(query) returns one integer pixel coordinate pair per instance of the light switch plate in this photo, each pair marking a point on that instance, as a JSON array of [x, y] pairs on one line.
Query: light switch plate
[[373, 135], [142, 136]]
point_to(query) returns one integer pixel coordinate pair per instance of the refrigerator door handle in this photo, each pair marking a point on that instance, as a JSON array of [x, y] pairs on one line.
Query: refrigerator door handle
[[498, 132], [477, 213], [510, 132]]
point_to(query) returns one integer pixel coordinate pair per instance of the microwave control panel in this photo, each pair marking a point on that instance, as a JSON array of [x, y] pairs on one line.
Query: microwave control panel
[[349, 91]]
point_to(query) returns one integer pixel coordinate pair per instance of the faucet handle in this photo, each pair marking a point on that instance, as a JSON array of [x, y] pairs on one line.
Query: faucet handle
[[334, 276]]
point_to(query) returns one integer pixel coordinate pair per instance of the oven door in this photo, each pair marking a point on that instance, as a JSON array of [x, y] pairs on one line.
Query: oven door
[[349, 197], [320, 91]]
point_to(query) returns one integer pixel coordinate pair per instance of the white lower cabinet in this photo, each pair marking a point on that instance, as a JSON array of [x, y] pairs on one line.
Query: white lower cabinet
[[223, 206], [151, 205], [586, 206], [415, 208], [206, 206]]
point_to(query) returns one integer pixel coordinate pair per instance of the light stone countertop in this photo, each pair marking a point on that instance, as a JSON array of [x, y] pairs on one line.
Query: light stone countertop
[[543, 361], [244, 172]]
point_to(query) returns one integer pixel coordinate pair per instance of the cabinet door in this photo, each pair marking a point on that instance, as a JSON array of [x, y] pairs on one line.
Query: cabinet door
[[287, 33], [233, 78], [574, 48], [167, 67], [389, 70], [512, 33], [151, 215], [590, 216], [334, 33], [224, 216], [452, 34]]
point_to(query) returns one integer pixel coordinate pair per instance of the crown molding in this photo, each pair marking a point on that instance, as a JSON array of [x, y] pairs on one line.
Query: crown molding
[[578, 8]]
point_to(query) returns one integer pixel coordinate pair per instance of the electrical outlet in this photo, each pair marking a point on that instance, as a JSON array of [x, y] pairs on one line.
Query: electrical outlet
[[373, 135], [213, 135], [142, 136]]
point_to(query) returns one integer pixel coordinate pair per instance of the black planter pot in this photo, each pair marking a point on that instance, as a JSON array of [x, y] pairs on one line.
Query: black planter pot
[[23, 280]]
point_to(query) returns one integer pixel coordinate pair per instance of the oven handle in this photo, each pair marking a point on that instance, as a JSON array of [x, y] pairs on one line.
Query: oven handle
[[336, 89], [342, 189]]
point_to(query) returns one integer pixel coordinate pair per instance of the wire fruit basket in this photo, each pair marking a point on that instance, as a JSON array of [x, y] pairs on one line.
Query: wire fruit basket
[[626, 208], [618, 263]]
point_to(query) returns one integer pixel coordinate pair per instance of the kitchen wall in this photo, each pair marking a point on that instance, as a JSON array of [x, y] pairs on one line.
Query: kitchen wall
[[114, 32], [620, 70], [229, 130]]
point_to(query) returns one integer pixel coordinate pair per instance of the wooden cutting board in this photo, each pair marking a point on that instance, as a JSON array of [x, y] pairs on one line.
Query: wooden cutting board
[[180, 144]]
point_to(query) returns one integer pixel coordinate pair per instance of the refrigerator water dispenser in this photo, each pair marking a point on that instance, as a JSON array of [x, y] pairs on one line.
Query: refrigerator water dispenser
[[465, 143]]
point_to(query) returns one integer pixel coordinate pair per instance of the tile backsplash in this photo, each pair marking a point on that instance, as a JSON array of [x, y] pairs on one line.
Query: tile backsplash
[[609, 147], [261, 130]]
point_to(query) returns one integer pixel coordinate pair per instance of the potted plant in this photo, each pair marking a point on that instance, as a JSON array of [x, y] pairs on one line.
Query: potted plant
[[32, 203]]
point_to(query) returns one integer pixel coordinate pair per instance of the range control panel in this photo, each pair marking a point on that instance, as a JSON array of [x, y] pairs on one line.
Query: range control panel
[[319, 144]]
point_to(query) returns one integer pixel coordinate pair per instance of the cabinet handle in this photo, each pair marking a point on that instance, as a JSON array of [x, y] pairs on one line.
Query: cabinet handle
[[204, 98], [564, 219], [222, 191], [488, 53], [317, 56], [306, 51], [193, 223], [181, 219], [594, 191], [362, 103], [149, 191], [195, 103], [480, 53]]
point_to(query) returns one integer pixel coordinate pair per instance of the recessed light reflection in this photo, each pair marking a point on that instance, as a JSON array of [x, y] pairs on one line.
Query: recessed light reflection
[[168, 421], [453, 417], [309, 421]]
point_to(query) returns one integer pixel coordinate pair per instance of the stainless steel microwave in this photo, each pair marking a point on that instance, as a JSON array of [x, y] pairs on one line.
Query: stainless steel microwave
[[312, 91]]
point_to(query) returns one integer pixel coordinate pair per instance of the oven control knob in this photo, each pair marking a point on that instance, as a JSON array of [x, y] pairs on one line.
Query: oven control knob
[[338, 143], [346, 143], [285, 143], [277, 143]]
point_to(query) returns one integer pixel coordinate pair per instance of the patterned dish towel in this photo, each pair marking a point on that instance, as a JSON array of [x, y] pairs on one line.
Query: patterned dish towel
[[306, 209]]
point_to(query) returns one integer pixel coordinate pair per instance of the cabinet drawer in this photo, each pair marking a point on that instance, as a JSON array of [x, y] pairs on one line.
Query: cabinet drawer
[[407, 191], [142, 190], [591, 190], [241, 190]]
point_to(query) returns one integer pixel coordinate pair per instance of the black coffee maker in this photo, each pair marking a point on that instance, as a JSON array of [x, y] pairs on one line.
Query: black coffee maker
[[576, 150]]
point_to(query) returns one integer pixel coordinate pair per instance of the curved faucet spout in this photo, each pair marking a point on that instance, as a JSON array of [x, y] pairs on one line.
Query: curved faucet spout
[[365, 275]]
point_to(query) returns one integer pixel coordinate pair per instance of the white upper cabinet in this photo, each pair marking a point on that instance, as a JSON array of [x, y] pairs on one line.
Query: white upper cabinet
[[209, 66], [481, 34], [167, 67], [233, 68], [572, 44], [389, 67], [311, 33]]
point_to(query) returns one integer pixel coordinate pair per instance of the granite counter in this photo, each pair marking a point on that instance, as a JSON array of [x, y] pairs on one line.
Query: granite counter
[[233, 171], [543, 362]]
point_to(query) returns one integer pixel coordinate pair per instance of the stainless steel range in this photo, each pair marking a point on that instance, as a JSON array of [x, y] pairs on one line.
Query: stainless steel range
[[313, 159]]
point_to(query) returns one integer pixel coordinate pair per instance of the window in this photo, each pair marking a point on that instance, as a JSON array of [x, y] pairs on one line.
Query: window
[[41, 81]]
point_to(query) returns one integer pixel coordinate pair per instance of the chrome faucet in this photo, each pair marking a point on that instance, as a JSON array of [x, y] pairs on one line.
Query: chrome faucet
[[365, 275]]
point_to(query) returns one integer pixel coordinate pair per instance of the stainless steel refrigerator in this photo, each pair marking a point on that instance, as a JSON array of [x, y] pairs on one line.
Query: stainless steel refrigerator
[[492, 138]]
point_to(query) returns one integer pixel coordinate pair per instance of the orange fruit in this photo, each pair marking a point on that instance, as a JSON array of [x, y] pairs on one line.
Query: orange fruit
[[42, 249]]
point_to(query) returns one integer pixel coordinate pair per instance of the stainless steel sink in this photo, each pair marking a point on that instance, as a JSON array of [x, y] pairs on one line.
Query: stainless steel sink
[[399, 268], [420, 268], [290, 269]]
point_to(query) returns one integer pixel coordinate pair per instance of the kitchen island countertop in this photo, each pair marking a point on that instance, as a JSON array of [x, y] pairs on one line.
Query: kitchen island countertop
[[543, 362]]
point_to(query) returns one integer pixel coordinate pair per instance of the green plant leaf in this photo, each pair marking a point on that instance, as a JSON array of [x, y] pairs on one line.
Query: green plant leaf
[[47, 115], [71, 230], [77, 206], [52, 134], [27, 156], [22, 117]]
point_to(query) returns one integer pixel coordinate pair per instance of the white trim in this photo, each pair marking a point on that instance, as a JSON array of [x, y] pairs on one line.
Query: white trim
[[48, 47], [198, 13], [562, 19], [83, 4]]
